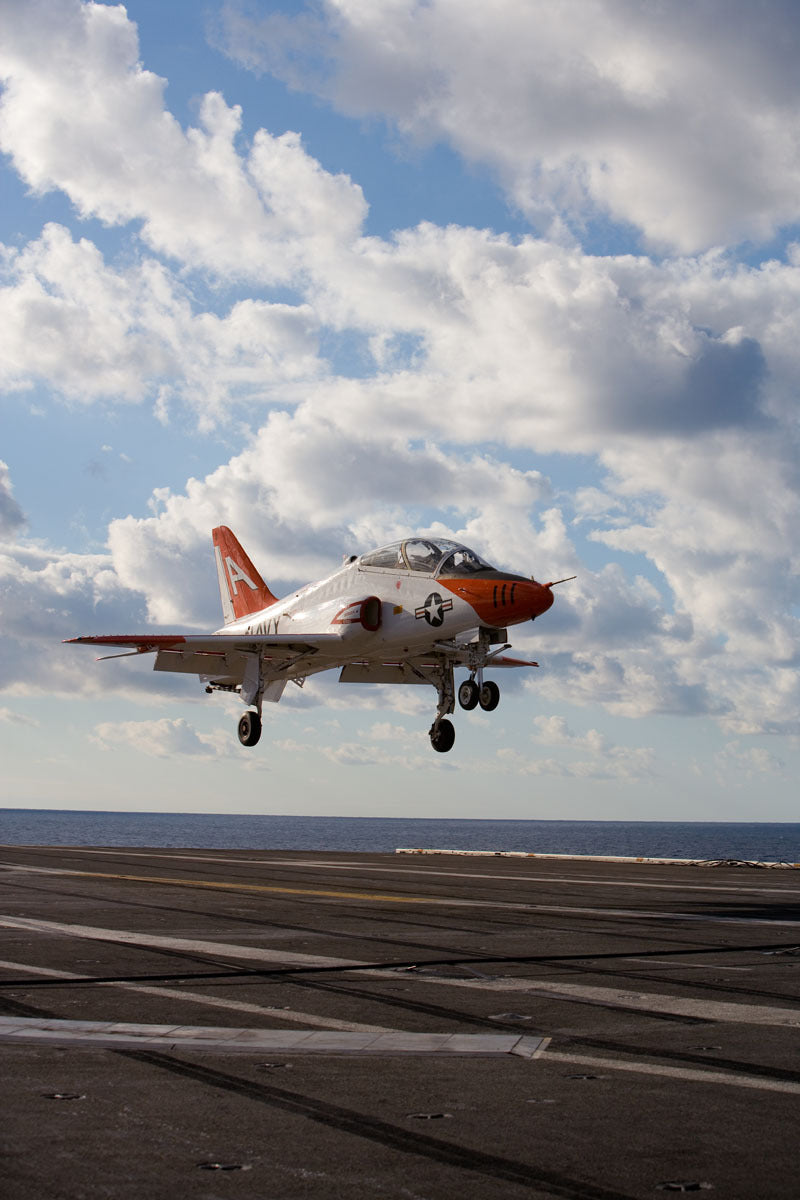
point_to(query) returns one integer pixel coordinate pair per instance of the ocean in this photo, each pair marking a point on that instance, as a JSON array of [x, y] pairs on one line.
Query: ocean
[[746, 841]]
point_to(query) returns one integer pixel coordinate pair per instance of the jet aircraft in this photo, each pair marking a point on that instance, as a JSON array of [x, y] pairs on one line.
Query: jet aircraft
[[410, 612]]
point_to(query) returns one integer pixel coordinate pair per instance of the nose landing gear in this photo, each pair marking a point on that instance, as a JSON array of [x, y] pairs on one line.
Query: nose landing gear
[[471, 693]]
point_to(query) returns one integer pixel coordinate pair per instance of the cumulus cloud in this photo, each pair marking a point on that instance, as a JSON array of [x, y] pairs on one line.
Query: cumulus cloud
[[165, 738], [475, 351], [80, 113], [48, 595], [12, 518], [372, 751], [303, 494], [588, 756], [8, 716], [90, 331], [684, 128], [748, 762]]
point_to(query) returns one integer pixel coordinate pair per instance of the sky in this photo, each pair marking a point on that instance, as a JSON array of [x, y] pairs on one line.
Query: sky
[[331, 273]]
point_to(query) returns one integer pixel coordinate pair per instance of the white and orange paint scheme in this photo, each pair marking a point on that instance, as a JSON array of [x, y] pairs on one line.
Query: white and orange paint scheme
[[410, 612]]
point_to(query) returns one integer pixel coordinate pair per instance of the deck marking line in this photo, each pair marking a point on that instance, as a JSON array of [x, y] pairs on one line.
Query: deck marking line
[[282, 1014], [446, 901], [707, 1010], [232, 886], [619, 1064], [220, 949], [330, 866]]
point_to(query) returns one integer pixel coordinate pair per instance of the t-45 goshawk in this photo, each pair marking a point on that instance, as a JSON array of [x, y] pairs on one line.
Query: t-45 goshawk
[[410, 612]]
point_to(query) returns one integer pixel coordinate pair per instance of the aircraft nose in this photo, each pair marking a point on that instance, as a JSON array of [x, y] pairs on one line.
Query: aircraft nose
[[541, 598], [503, 599]]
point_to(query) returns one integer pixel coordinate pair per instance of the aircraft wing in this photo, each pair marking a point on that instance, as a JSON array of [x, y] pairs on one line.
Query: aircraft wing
[[419, 668], [208, 643], [224, 657]]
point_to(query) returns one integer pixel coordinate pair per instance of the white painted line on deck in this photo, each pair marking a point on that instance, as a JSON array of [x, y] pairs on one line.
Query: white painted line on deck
[[681, 1073], [219, 949], [127, 1035], [540, 880], [290, 1016], [706, 1010], [442, 901]]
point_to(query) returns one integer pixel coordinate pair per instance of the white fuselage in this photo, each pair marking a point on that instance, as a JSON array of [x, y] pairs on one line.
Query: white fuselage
[[414, 610]]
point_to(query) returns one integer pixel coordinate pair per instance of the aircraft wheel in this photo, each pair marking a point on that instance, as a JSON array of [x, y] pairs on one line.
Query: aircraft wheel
[[489, 697], [468, 694], [442, 736], [249, 729]]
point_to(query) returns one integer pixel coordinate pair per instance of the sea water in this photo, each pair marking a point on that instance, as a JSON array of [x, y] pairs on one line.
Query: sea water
[[749, 841]]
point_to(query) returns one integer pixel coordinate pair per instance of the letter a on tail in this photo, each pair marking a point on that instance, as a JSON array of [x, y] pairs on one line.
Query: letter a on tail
[[241, 588]]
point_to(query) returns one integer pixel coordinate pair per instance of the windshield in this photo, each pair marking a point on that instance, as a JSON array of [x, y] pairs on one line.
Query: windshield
[[463, 562], [427, 556]]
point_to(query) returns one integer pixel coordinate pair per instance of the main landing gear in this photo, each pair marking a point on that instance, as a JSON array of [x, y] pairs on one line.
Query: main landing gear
[[252, 692], [249, 728], [471, 693]]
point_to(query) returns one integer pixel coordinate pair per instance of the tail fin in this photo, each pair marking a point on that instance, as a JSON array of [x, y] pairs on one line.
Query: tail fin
[[241, 588]]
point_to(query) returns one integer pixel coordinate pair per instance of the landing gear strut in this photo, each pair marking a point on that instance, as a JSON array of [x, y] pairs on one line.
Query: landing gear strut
[[442, 733], [252, 691], [471, 692]]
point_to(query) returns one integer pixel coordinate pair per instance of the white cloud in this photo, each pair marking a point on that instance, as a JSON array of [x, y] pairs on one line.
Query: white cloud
[[583, 756], [69, 320], [80, 113], [48, 595], [8, 716], [303, 494], [164, 738], [679, 377], [12, 518], [738, 761], [686, 128]]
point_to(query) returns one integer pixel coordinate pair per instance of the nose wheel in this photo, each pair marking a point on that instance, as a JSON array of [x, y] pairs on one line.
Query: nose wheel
[[442, 735]]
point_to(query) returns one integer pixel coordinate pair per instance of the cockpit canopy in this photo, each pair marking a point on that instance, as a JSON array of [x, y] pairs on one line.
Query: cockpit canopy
[[427, 556]]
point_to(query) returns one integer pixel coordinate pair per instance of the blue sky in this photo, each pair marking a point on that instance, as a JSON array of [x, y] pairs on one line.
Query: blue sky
[[328, 273]]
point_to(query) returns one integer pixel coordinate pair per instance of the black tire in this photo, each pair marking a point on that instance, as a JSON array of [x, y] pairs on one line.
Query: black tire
[[442, 736], [468, 694], [489, 696], [249, 728]]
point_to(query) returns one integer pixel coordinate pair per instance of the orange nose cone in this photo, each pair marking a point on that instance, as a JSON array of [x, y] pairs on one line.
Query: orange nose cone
[[546, 598], [502, 600]]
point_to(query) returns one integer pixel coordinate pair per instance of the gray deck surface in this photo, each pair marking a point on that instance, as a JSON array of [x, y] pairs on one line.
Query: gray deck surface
[[274, 1024]]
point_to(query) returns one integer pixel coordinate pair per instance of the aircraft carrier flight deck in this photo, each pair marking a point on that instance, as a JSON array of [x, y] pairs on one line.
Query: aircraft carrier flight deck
[[281, 1024]]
